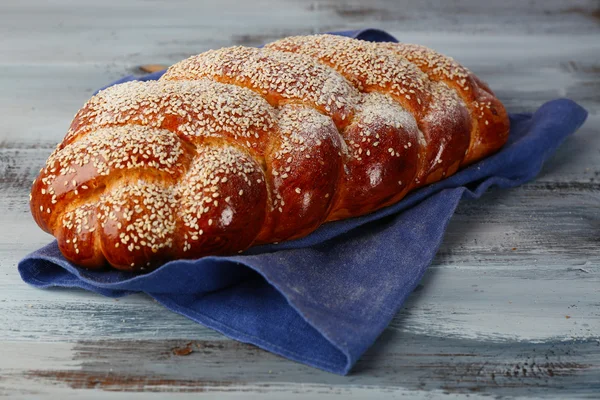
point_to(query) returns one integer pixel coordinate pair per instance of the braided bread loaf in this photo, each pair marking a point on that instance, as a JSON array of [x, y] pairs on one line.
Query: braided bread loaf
[[242, 146]]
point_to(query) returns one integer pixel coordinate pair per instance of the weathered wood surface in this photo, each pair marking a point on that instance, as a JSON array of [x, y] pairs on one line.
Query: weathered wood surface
[[510, 306]]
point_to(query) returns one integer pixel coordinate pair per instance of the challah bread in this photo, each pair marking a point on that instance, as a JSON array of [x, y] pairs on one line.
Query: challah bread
[[243, 146]]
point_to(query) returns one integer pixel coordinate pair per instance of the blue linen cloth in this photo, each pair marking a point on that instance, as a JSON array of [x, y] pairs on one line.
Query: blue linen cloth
[[323, 300]]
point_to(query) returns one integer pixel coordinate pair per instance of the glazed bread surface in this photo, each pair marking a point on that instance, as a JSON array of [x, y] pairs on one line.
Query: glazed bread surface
[[243, 146]]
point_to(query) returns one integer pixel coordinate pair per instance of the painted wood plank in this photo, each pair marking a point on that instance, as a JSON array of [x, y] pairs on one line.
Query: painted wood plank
[[487, 305], [115, 30], [414, 362]]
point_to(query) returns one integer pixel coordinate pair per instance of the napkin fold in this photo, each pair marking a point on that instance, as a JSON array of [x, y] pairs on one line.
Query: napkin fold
[[323, 300]]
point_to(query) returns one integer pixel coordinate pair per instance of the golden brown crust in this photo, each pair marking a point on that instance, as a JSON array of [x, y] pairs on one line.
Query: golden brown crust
[[242, 146], [489, 128], [308, 143]]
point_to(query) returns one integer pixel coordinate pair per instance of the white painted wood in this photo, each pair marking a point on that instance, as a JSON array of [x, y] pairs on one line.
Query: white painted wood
[[48, 95], [482, 311], [398, 364]]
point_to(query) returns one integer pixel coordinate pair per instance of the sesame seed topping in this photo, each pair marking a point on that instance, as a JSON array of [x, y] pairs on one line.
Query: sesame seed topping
[[291, 76], [436, 65], [199, 135], [365, 64], [203, 108]]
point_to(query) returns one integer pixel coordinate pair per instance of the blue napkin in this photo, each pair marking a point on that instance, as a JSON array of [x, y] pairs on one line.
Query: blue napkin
[[323, 300]]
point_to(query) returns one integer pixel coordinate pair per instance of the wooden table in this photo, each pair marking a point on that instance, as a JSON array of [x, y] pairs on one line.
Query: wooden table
[[510, 306]]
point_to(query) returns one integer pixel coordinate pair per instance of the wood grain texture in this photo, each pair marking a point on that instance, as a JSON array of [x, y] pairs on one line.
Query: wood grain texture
[[509, 308], [423, 363]]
